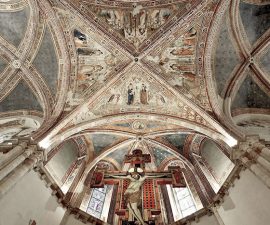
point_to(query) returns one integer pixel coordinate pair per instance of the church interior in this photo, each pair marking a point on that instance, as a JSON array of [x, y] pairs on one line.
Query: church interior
[[134, 112]]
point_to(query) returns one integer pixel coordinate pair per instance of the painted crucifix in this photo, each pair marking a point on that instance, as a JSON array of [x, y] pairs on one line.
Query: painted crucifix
[[136, 177]]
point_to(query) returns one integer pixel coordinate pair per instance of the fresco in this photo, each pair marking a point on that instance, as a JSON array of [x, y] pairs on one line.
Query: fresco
[[176, 62], [95, 62], [133, 93], [119, 155], [255, 19], [226, 57], [160, 155], [21, 97], [13, 25], [177, 140], [102, 141], [41, 62], [250, 95], [137, 23]]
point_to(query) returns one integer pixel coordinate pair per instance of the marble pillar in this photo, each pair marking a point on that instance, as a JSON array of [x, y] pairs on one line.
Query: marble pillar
[[16, 162], [19, 172], [12, 154], [216, 214]]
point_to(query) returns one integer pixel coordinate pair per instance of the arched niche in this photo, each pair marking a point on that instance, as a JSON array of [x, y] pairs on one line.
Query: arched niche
[[18, 127], [62, 162], [254, 124], [214, 163]]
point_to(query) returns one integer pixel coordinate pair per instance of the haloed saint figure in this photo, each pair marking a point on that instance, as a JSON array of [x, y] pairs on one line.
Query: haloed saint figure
[[137, 94]]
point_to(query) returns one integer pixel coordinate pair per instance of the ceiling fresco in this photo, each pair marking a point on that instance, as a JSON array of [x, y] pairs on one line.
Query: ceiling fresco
[[119, 155], [17, 23], [117, 75], [160, 155], [102, 141], [47, 56], [226, 56], [141, 62], [95, 60], [20, 98], [176, 140], [137, 23], [133, 93], [256, 20], [176, 62], [250, 95]]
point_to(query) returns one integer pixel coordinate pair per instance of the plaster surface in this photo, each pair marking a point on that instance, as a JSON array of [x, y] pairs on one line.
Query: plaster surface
[[247, 203], [226, 57], [250, 96], [46, 61], [21, 97], [30, 199], [256, 20], [13, 25]]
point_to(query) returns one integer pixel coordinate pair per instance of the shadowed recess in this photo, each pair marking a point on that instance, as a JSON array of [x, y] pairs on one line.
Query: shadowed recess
[[256, 20], [63, 159], [216, 159], [3, 65], [225, 59], [20, 98], [46, 61], [160, 155], [101, 141], [177, 140], [119, 155], [13, 25], [250, 96], [265, 61]]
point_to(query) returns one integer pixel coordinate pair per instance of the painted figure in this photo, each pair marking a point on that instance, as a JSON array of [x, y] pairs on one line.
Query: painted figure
[[89, 51], [132, 194], [131, 94], [143, 95]]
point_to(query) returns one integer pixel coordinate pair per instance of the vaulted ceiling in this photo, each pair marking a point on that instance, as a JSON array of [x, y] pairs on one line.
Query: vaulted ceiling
[[116, 73]]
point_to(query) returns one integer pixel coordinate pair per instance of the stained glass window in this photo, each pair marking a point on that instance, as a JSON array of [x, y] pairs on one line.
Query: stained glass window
[[97, 200], [182, 202], [185, 200]]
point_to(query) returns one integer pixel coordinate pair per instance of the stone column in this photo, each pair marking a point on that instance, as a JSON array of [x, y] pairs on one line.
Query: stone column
[[16, 162], [19, 172], [249, 153], [12, 154], [262, 161], [216, 214], [262, 150], [258, 170]]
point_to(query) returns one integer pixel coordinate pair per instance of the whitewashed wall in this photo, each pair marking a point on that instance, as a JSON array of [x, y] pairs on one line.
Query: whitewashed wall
[[206, 220], [248, 202], [30, 199]]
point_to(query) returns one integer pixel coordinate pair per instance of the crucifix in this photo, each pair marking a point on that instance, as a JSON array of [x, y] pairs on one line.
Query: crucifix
[[135, 179]]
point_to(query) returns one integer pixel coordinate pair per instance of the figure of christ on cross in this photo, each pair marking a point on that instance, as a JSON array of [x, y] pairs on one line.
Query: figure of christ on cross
[[133, 192], [136, 175]]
